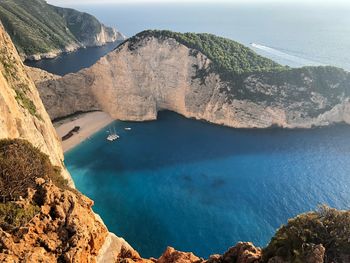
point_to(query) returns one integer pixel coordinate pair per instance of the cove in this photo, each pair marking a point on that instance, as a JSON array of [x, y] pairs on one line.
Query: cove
[[73, 62], [200, 187]]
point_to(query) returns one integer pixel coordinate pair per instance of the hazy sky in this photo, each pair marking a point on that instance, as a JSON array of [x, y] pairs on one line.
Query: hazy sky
[[80, 2]]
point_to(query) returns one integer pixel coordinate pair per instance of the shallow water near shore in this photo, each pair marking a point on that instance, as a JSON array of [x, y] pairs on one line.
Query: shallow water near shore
[[201, 187]]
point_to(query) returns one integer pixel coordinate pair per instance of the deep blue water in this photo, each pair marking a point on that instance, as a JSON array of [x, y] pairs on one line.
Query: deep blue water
[[75, 61], [201, 188]]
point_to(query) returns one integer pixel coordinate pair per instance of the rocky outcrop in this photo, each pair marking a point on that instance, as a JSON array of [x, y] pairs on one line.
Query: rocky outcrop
[[64, 230], [149, 74], [86, 28], [241, 253], [22, 114]]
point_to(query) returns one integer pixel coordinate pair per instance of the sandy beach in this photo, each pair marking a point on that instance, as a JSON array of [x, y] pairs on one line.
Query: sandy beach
[[89, 124]]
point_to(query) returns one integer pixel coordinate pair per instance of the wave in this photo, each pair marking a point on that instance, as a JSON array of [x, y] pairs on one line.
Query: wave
[[295, 59]]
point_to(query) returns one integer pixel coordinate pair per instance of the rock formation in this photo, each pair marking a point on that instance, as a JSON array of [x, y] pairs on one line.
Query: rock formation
[[149, 73], [40, 30], [65, 229]]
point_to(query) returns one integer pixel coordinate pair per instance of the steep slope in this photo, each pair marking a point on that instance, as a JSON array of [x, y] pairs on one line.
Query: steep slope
[[64, 224], [204, 77], [40, 30], [22, 114]]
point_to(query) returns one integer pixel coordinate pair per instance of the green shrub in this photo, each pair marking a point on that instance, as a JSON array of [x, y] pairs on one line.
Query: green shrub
[[26, 103], [20, 164], [227, 55], [327, 226], [14, 216]]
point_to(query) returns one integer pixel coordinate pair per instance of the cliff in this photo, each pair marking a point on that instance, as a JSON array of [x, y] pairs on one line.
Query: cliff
[[52, 221], [40, 30], [22, 113], [204, 77]]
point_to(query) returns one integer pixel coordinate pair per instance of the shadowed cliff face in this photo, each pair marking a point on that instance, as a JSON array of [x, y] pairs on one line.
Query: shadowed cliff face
[[150, 74], [22, 114]]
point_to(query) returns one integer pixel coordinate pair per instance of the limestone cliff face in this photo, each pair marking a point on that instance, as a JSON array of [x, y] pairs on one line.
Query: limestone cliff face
[[22, 114], [150, 74]]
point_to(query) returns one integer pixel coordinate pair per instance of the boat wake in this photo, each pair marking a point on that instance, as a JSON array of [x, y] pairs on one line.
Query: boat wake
[[280, 54]]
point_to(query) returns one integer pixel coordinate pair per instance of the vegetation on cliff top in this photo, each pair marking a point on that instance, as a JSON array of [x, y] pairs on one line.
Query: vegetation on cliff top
[[227, 55], [20, 165], [328, 227], [37, 27], [13, 215]]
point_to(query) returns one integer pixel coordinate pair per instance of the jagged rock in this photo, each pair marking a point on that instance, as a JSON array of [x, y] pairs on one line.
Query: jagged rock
[[66, 228], [242, 252], [173, 256]]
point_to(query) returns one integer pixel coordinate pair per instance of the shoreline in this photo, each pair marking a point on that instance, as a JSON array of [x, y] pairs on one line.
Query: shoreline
[[89, 124]]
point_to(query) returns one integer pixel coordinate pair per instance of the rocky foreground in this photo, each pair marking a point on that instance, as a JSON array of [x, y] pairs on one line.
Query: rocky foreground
[[66, 230], [156, 71]]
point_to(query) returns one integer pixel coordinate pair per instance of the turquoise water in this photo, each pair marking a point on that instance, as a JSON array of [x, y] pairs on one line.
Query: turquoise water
[[201, 188]]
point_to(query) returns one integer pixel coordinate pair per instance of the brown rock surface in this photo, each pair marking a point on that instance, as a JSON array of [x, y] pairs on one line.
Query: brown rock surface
[[66, 229], [241, 253], [173, 256]]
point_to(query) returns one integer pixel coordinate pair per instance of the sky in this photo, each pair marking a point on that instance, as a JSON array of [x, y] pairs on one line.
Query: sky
[[83, 2]]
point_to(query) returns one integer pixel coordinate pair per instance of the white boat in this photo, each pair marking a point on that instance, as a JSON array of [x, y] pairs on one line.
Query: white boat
[[112, 135], [127, 129]]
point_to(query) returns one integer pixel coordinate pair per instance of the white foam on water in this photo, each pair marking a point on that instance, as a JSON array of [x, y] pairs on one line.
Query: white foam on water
[[295, 59]]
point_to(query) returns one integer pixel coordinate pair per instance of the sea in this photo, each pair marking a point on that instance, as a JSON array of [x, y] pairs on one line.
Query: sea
[[200, 187]]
